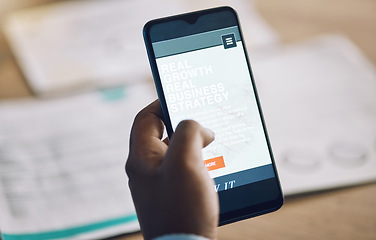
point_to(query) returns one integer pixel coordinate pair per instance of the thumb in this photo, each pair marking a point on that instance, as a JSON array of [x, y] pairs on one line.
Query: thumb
[[187, 141], [188, 190]]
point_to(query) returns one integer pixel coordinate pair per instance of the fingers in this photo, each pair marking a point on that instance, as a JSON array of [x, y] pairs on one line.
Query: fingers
[[187, 142], [148, 122], [146, 149]]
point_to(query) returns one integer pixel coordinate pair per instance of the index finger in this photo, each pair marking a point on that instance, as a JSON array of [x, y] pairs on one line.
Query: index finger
[[145, 145], [148, 122]]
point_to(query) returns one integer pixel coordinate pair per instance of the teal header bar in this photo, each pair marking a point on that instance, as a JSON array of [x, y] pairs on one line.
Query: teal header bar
[[193, 42]]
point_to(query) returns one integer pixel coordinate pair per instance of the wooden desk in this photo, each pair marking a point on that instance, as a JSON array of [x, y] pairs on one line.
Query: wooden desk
[[348, 213]]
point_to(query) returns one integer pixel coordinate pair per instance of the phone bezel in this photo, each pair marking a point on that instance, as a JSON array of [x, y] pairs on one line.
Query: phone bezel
[[247, 211]]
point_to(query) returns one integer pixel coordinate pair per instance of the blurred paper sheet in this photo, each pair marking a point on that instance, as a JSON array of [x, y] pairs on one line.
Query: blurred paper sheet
[[319, 102], [62, 165], [74, 45]]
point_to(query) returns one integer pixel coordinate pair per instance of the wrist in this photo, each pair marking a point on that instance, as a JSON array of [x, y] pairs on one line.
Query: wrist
[[180, 236]]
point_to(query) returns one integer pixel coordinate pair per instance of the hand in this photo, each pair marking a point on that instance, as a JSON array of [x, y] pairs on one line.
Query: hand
[[171, 188]]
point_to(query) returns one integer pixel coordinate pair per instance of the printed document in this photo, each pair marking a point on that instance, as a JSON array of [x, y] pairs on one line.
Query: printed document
[[62, 165], [79, 45], [319, 104]]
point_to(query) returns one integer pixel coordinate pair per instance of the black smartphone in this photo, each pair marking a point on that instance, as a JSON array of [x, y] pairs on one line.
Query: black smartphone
[[202, 72]]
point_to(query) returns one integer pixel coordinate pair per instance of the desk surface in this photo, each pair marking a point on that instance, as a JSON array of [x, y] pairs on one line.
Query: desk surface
[[347, 213]]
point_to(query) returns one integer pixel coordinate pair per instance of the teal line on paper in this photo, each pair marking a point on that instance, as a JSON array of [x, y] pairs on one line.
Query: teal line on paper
[[69, 232], [113, 94]]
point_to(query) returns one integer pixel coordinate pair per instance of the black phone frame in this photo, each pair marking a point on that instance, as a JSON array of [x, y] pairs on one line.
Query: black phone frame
[[254, 188]]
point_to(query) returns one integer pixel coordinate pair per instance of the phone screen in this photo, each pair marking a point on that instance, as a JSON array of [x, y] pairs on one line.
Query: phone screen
[[205, 76]]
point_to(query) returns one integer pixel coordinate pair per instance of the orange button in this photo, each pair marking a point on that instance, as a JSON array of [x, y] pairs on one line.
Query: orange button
[[214, 163]]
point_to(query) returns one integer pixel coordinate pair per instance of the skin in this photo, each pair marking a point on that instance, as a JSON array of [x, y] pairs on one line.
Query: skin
[[171, 189]]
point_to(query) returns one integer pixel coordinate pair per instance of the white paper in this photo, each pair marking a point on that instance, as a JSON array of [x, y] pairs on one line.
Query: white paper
[[62, 165], [74, 45], [319, 102]]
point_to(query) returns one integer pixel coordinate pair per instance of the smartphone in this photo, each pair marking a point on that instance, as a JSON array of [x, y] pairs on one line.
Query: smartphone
[[202, 72]]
